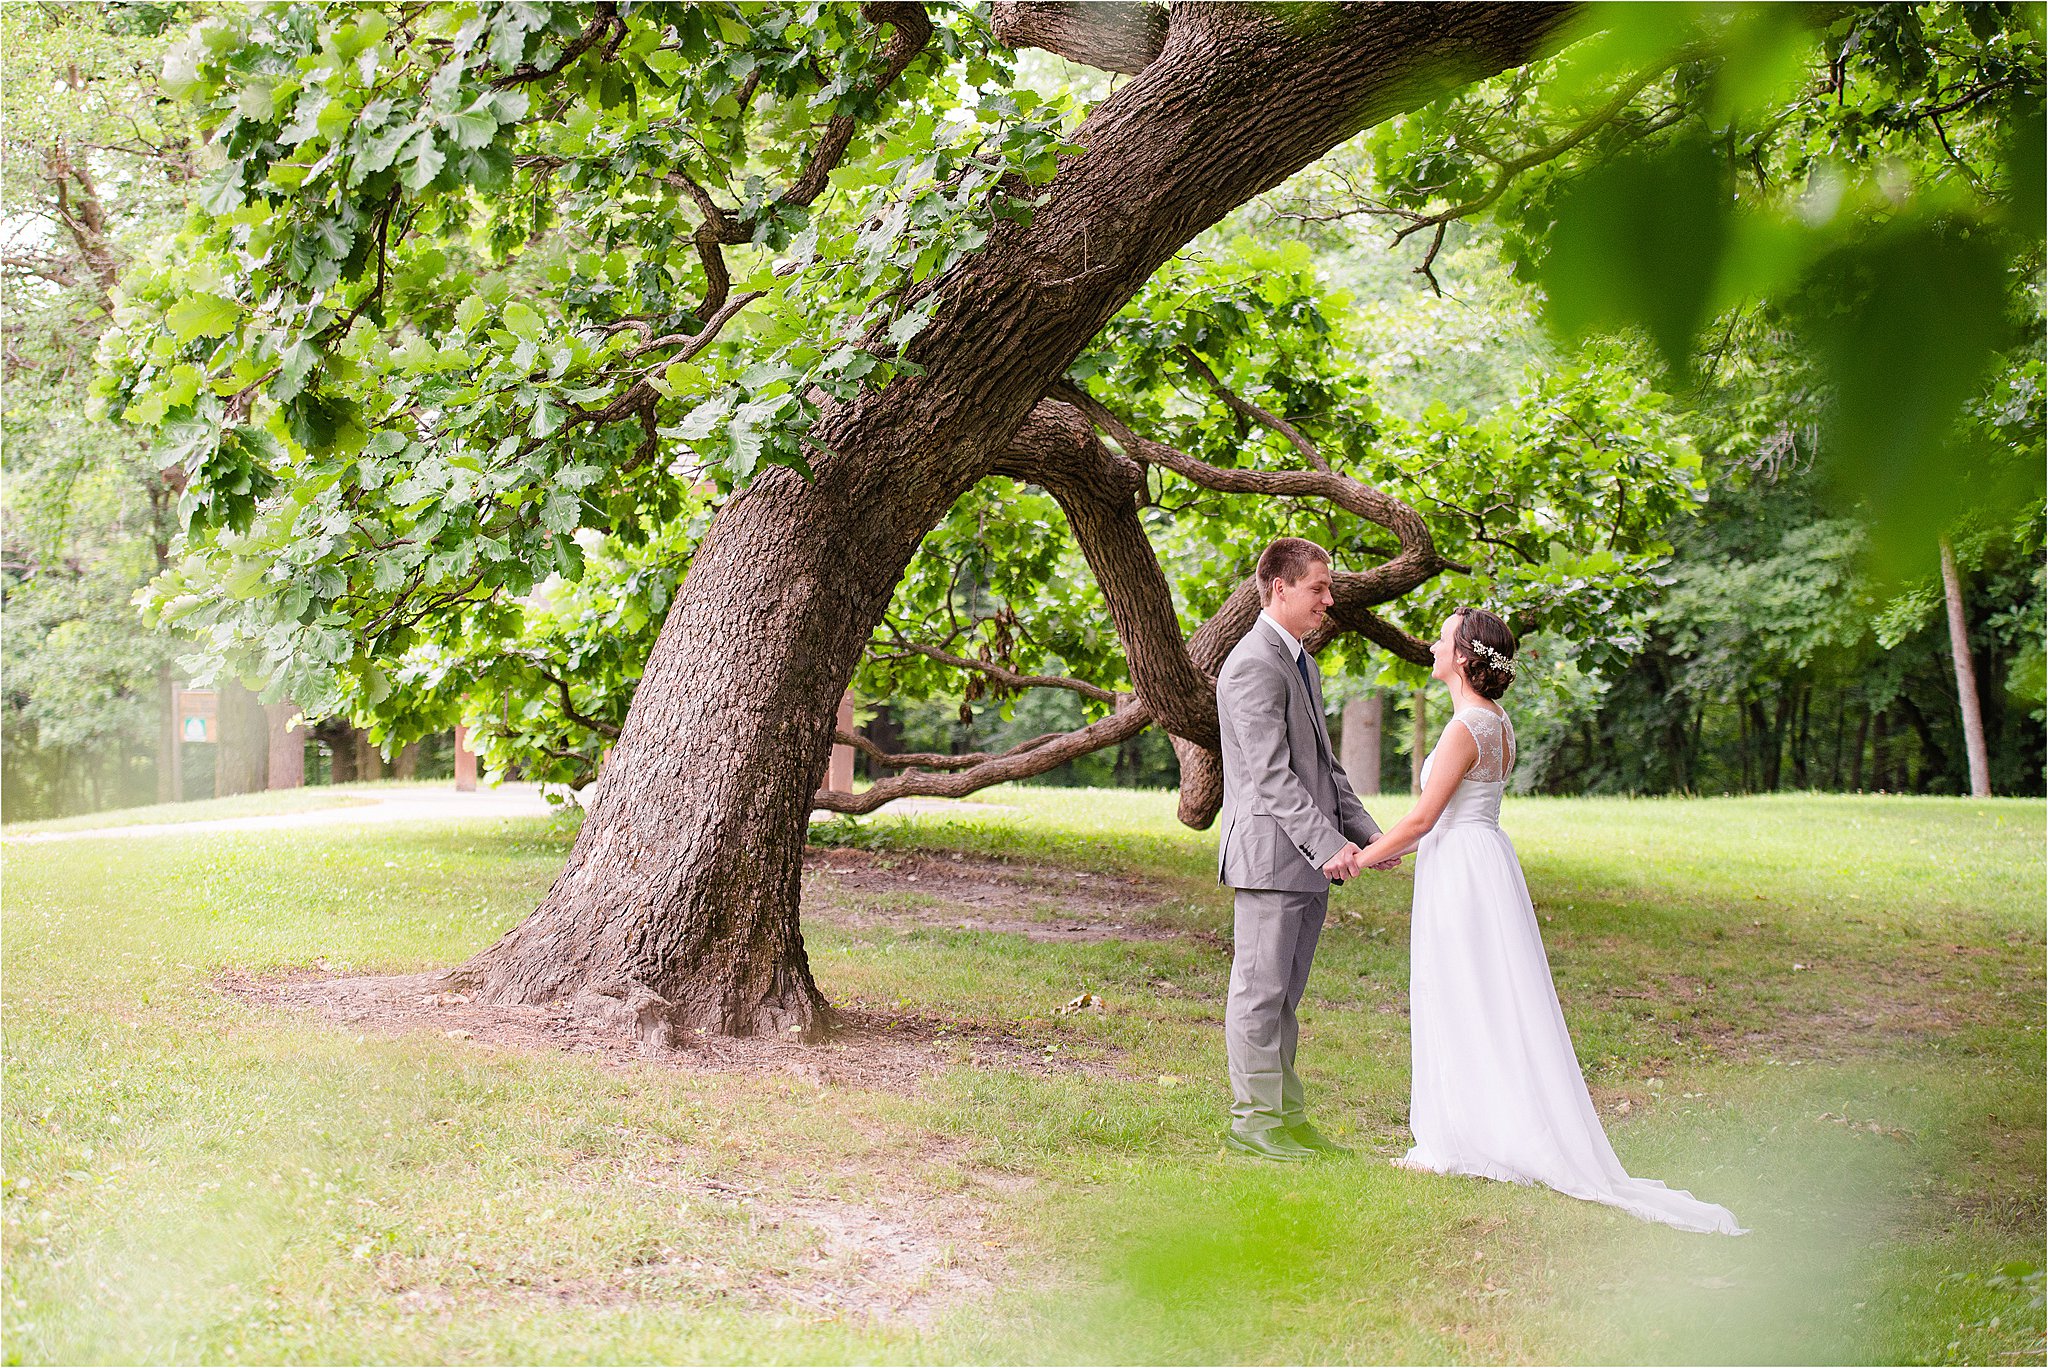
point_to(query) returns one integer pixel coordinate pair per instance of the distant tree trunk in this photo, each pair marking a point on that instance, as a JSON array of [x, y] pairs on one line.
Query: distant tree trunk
[[1692, 749], [1856, 752], [1419, 751], [1742, 745], [1770, 730], [1966, 674], [241, 762], [886, 731], [407, 765], [1933, 756], [287, 747], [340, 739], [1842, 719], [170, 769], [1802, 737], [369, 760], [1361, 729]]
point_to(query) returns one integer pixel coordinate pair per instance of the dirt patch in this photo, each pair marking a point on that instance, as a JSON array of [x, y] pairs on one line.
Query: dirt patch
[[859, 889], [898, 1257], [868, 1049]]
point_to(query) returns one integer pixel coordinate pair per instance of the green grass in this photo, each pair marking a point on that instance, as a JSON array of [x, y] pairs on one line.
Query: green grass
[[1824, 1012]]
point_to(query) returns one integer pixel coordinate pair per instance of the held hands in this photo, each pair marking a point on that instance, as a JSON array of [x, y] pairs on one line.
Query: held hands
[[1384, 848], [1344, 863]]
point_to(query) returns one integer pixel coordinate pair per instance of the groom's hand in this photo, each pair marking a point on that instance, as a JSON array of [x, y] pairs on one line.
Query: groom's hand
[[1344, 863]]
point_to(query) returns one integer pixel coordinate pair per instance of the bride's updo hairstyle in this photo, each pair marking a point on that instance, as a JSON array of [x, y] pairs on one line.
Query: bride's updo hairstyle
[[1487, 646]]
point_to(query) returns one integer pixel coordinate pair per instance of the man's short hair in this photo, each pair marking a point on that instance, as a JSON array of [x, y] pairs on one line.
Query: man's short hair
[[1287, 559]]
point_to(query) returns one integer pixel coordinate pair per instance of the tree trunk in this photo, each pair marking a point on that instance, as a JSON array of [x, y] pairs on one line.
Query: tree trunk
[[677, 910], [1933, 757], [1802, 737], [1841, 728], [241, 762], [1856, 751], [1966, 675], [369, 760], [170, 769], [340, 739], [1880, 758], [1418, 747], [407, 764], [1361, 728], [1743, 746], [287, 747]]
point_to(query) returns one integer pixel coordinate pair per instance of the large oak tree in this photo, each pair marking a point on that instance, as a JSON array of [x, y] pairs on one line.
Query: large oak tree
[[914, 332]]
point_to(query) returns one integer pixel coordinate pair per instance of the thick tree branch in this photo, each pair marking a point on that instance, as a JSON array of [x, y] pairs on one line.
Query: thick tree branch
[[1015, 764], [1418, 560], [1109, 35]]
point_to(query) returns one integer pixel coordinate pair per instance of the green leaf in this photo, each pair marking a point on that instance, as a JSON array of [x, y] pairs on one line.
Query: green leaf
[[1914, 346], [1638, 243], [202, 315], [522, 322]]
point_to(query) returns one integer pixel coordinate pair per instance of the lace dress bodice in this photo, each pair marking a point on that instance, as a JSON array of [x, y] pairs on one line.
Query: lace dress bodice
[[1476, 801]]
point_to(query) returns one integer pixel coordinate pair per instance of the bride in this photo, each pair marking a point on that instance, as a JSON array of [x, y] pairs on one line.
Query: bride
[[1496, 1089]]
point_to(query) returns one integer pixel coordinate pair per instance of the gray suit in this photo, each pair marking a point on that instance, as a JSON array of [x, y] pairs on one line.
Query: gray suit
[[1288, 807]]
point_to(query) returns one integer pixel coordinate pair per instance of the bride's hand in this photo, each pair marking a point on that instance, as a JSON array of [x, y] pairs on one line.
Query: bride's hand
[[1384, 859]]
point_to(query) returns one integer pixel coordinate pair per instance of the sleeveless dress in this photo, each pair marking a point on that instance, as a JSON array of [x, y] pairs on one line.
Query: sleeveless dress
[[1496, 1090]]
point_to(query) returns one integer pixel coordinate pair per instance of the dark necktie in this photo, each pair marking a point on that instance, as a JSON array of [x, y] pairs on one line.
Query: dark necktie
[[1301, 664]]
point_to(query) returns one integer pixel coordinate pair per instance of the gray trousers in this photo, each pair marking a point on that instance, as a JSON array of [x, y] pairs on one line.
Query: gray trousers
[[1277, 933]]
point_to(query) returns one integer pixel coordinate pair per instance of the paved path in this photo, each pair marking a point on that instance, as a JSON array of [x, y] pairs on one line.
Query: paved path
[[409, 805]]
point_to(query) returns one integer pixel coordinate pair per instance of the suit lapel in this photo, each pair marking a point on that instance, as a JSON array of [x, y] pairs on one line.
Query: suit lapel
[[1310, 704]]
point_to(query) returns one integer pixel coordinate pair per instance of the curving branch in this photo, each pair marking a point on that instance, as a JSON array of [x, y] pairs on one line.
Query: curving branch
[[1109, 35], [1015, 764], [569, 709], [935, 759], [1009, 679], [912, 33], [604, 19], [1273, 422], [1418, 559]]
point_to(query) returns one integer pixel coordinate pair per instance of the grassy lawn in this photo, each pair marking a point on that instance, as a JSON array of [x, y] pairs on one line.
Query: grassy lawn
[[1825, 1013]]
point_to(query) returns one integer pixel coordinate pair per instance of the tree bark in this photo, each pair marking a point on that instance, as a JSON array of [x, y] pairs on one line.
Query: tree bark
[[677, 911], [1364, 719], [286, 746], [1979, 755], [242, 759]]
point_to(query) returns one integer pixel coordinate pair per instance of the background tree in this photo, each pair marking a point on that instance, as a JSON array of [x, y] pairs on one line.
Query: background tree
[[93, 166]]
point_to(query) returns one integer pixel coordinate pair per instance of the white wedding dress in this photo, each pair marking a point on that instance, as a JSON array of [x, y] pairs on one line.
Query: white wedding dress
[[1497, 1091]]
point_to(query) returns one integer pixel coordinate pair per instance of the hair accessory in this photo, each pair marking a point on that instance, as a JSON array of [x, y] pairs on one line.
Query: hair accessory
[[1500, 661]]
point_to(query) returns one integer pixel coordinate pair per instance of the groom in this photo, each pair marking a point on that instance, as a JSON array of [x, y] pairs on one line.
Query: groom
[[1291, 824]]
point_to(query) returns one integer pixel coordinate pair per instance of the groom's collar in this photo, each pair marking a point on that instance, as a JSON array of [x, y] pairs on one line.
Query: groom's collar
[[1286, 637]]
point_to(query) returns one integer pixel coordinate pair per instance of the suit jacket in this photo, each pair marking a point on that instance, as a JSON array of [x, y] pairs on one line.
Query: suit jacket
[[1288, 806]]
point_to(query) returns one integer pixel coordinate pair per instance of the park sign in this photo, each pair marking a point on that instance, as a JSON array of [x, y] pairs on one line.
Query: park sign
[[198, 715]]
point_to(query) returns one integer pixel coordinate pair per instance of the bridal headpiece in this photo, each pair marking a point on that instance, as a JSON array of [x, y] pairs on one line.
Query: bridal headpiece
[[1492, 657]]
